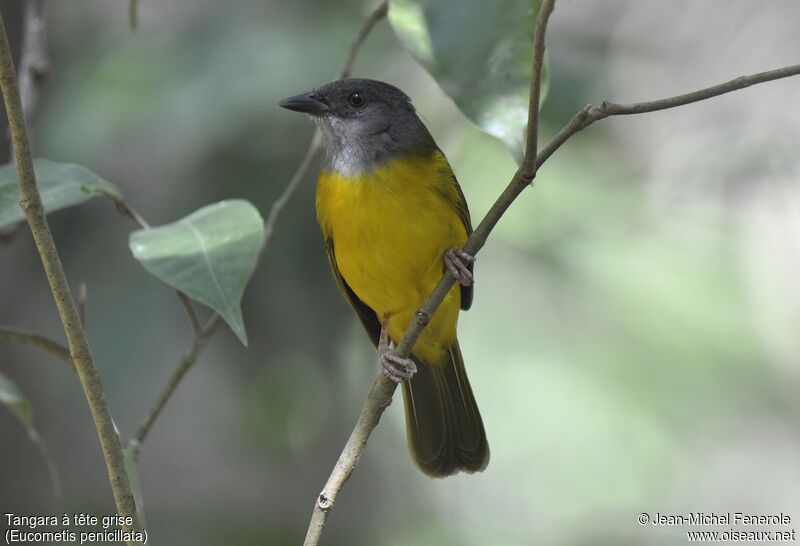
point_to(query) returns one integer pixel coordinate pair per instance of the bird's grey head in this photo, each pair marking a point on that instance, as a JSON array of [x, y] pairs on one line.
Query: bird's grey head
[[364, 123]]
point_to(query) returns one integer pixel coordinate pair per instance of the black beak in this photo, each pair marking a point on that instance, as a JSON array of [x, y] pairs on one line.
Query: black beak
[[308, 103]]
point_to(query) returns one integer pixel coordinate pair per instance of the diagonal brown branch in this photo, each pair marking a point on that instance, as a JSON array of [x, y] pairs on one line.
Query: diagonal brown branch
[[380, 394], [31, 203]]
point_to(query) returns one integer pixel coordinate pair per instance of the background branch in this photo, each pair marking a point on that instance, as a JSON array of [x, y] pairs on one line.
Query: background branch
[[32, 339], [380, 394], [133, 14], [314, 146], [33, 63], [188, 360], [374, 18], [31, 203]]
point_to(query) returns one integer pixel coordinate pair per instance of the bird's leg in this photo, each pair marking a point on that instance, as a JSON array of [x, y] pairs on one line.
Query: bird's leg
[[394, 367], [456, 261]]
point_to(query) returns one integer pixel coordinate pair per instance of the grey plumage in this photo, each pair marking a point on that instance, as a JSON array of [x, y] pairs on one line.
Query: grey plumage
[[357, 139]]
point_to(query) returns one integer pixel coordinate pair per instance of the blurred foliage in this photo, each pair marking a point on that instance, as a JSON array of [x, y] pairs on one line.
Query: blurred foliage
[[632, 344], [480, 57]]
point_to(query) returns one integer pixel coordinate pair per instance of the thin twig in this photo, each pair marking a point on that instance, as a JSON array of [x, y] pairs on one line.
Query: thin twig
[[291, 188], [133, 14], [314, 146], [190, 314], [33, 63], [31, 203], [374, 18], [124, 208], [528, 161], [380, 395], [589, 114], [185, 364], [32, 339], [50, 464]]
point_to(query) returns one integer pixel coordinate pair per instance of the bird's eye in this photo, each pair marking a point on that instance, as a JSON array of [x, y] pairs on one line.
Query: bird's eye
[[356, 99]]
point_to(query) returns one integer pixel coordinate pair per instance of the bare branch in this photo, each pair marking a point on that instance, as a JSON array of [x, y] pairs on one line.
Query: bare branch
[[31, 203], [281, 202], [536, 86], [32, 339], [375, 17], [190, 314], [124, 208], [185, 364], [133, 14], [50, 464], [589, 114], [33, 64]]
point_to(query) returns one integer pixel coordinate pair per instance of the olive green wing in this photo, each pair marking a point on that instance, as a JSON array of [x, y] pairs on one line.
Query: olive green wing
[[459, 204], [365, 313]]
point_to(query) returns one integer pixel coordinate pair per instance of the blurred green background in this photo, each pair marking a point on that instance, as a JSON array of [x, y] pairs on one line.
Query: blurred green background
[[633, 344]]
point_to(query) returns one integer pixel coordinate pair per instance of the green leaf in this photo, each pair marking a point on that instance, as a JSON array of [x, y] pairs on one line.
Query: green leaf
[[209, 255], [61, 185], [480, 54], [12, 397]]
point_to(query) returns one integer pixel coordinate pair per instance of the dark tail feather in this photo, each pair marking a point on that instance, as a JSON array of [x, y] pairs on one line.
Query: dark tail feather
[[445, 430]]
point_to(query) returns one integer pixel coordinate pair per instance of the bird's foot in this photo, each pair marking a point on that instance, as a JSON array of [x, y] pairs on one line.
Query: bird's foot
[[396, 368], [456, 261]]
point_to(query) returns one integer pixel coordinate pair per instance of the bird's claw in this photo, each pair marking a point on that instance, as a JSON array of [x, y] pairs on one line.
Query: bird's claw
[[456, 261], [394, 367]]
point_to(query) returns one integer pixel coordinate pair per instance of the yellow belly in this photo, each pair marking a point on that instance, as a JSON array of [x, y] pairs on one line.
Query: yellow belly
[[390, 228]]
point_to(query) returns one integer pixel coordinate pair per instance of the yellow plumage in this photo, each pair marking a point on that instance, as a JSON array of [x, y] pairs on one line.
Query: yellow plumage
[[390, 228], [393, 217]]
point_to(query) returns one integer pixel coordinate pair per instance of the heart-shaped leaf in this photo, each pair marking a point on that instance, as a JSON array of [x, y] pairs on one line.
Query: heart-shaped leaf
[[480, 54], [12, 397], [61, 185], [208, 255]]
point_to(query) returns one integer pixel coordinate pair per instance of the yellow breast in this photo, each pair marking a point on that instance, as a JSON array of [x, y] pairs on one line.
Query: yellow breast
[[390, 228]]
